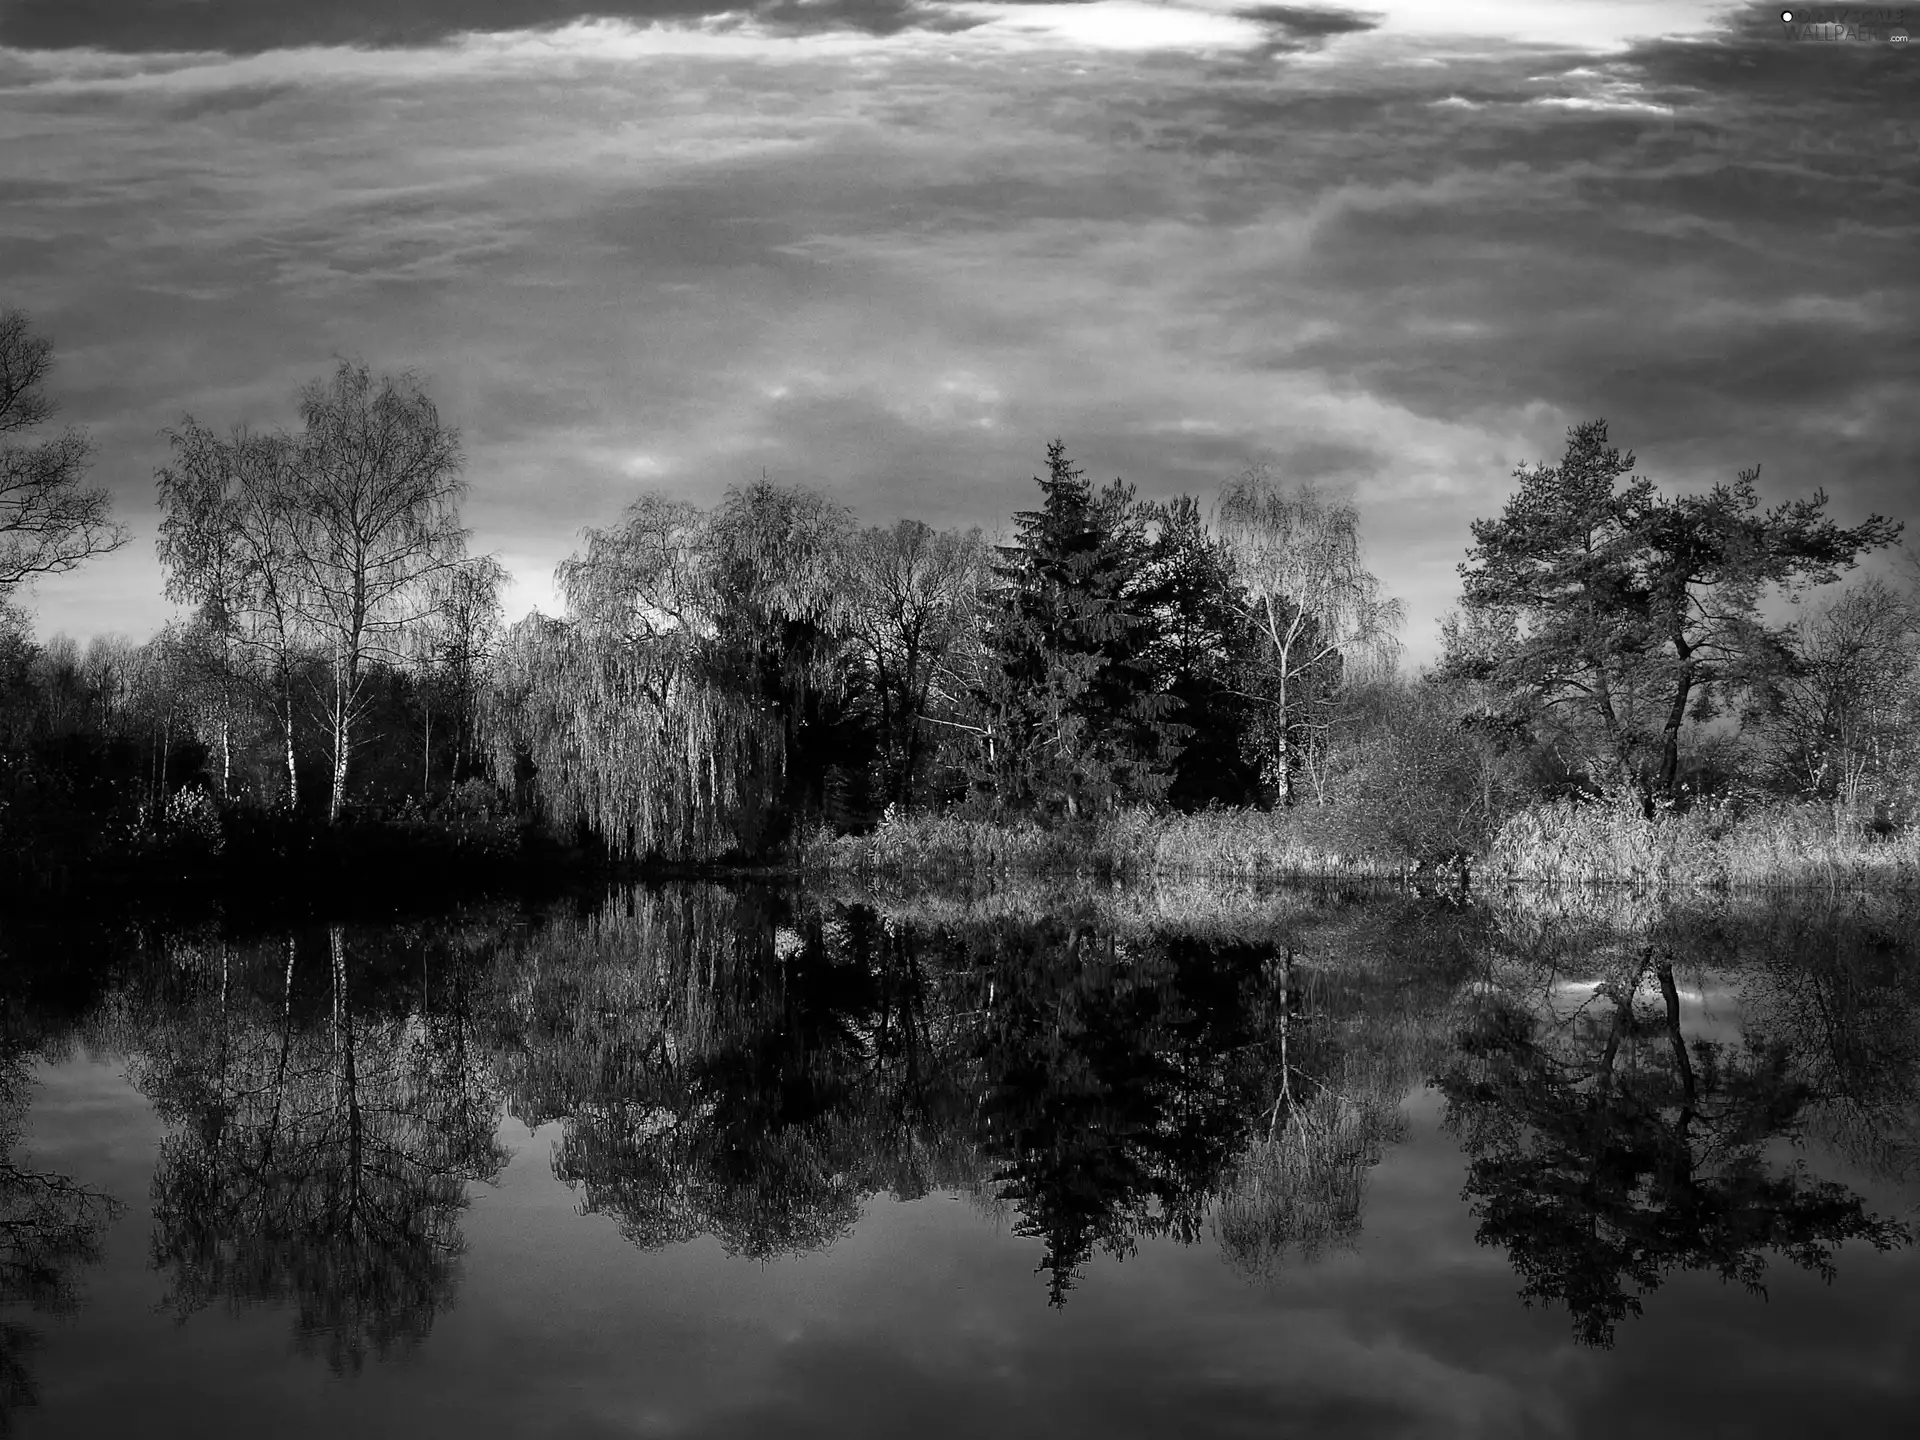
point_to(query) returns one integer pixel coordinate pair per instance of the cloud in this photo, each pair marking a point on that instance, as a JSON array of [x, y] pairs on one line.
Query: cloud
[[246, 27], [1307, 22], [896, 264]]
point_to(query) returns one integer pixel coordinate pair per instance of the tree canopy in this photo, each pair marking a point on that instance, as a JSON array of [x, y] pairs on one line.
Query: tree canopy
[[1634, 610]]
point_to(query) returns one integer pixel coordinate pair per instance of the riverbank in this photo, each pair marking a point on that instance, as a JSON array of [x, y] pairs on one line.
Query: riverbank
[[1712, 846], [266, 863]]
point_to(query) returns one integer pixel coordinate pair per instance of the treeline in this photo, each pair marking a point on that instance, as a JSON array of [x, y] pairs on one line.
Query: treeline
[[728, 676], [728, 682], [334, 647]]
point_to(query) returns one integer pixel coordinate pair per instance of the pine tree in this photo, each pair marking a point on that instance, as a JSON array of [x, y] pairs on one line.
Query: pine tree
[[1205, 647], [1073, 715]]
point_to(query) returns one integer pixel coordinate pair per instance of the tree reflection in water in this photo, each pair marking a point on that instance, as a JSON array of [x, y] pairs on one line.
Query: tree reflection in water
[[1610, 1150], [319, 1153], [725, 1068], [50, 1226], [755, 1067]]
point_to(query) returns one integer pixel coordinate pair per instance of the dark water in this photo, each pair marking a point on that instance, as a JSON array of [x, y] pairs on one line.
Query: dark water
[[713, 1162]]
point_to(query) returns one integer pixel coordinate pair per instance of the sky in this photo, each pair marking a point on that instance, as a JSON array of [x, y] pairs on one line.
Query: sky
[[890, 248]]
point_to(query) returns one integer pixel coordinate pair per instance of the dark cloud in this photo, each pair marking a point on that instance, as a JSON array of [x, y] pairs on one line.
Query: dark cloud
[[1707, 240], [246, 27], [1310, 23], [874, 17]]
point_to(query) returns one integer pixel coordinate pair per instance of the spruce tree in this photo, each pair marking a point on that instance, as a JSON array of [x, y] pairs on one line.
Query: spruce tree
[[1074, 718], [1206, 647]]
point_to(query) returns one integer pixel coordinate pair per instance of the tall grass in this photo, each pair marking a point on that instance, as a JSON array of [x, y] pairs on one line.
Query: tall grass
[[1128, 845], [1710, 846]]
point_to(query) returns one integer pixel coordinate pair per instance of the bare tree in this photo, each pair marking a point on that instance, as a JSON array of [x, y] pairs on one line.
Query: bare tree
[[1296, 555], [227, 542], [452, 650], [49, 520], [377, 486], [1842, 719], [913, 594]]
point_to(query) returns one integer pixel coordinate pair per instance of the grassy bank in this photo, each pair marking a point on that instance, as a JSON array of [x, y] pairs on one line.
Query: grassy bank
[[1712, 846], [1130, 845]]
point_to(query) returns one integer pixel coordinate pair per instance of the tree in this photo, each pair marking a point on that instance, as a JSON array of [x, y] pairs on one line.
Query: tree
[[1297, 556], [227, 543], [777, 569], [49, 520], [1635, 610], [1842, 717], [683, 705], [376, 496], [914, 596], [1068, 706], [1562, 563], [1711, 556], [454, 647], [1204, 645]]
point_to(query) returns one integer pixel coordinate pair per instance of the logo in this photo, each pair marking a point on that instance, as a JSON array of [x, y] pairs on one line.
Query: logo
[[1851, 23]]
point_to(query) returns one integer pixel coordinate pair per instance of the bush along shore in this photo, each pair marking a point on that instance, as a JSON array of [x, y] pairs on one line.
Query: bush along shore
[[1609, 841]]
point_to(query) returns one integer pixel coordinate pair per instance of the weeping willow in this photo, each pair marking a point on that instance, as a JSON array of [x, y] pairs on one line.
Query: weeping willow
[[673, 765], [647, 1030], [661, 711]]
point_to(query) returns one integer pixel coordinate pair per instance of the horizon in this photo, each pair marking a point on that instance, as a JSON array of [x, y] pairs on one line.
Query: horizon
[[890, 249]]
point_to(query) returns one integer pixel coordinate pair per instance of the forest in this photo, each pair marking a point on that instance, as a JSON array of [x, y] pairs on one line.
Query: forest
[[1117, 682]]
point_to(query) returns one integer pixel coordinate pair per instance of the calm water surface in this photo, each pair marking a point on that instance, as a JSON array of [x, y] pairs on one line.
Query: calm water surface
[[731, 1162]]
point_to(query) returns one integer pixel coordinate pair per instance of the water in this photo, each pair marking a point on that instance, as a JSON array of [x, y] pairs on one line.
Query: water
[[700, 1161]]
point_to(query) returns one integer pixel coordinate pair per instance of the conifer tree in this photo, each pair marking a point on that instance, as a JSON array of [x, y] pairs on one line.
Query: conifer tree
[[1205, 646], [1637, 611], [1073, 718]]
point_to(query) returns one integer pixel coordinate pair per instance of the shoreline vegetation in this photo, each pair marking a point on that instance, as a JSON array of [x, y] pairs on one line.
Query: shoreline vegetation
[[1115, 688], [1566, 842], [1570, 843], [1151, 868]]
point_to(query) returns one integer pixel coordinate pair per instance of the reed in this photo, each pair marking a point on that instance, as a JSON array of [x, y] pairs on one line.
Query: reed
[[1712, 846], [1127, 845]]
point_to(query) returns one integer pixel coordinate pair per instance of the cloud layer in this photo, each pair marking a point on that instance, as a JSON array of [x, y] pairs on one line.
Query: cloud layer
[[894, 259]]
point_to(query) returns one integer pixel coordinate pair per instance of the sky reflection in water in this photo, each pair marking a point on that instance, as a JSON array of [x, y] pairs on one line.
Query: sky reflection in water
[[745, 1095]]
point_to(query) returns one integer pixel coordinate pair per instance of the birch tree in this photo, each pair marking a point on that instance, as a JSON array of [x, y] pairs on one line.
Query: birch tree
[[227, 541], [1296, 556], [376, 487]]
